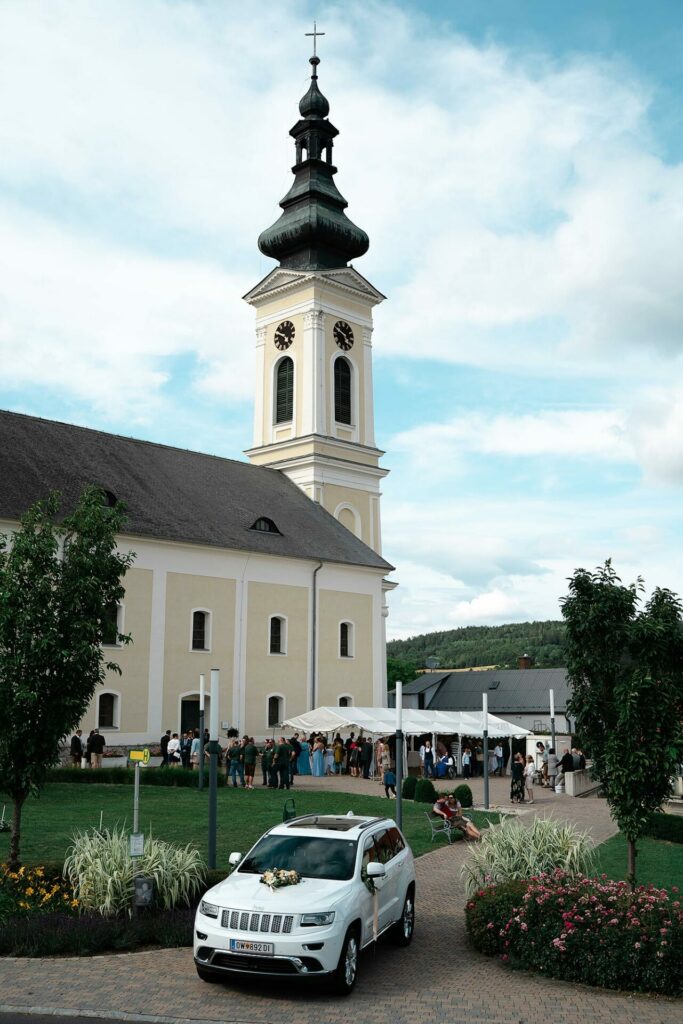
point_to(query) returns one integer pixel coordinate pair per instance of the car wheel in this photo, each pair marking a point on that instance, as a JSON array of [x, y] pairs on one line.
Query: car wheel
[[402, 931], [344, 977], [208, 975]]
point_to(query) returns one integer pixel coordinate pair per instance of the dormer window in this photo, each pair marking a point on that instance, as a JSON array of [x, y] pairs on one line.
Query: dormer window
[[265, 525]]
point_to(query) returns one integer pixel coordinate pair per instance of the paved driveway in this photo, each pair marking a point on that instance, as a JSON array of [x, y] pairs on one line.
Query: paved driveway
[[438, 979]]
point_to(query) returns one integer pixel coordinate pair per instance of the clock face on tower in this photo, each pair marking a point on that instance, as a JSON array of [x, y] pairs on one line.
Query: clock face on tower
[[284, 334], [343, 335]]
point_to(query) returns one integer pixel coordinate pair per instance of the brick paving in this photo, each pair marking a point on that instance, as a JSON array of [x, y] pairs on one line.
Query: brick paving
[[439, 978]]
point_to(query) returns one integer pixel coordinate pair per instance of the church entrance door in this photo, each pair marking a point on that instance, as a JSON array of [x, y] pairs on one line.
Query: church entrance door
[[189, 714]]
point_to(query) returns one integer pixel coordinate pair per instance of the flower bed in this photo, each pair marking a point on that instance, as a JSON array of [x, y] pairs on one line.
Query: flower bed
[[590, 930], [34, 890]]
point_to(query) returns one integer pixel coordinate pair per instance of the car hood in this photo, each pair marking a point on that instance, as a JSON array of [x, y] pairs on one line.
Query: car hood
[[242, 891]]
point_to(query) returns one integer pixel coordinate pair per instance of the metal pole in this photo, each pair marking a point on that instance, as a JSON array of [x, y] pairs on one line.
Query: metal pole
[[399, 755], [213, 766], [136, 799], [485, 729], [200, 765], [552, 720]]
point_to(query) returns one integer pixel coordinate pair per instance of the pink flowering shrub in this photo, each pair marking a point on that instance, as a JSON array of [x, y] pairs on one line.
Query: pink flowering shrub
[[591, 930]]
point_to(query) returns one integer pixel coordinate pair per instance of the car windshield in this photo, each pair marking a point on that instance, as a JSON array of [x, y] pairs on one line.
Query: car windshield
[[311, 856]]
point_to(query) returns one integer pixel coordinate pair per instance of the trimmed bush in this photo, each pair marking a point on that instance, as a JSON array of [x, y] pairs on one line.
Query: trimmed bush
[[102, 873], [589, 930], [511, 851], [666, 826], [123, 776], [425, 792], [463, 793], [408, 787]]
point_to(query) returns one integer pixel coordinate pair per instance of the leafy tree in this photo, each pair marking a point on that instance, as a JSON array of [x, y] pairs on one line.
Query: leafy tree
[[398, 669], [625, 663], [57, 582]]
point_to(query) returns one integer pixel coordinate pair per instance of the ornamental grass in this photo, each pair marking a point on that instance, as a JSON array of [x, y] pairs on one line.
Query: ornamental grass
[[591, 930]]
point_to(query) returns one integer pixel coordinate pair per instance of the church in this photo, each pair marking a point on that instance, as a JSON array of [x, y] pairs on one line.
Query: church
[[270, 571]]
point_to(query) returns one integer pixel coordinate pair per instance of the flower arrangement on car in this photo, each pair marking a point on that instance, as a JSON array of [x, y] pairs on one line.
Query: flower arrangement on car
[[278, 878]]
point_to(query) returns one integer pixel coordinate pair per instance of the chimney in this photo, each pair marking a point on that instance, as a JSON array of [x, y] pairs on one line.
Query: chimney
[[526, 661]]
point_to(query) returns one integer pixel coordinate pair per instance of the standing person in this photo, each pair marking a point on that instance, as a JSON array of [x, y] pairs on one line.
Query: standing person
[[304, 758], [87, 754], [194, 749], [498, 754], [265, 760], [163, 748], [517, 783], [388, 776], [338, 754], [529, 772], [543, 754], [236, 763], [366, 757], [250, 754], [294, 764], [348, 744], [173, 751], [466, 763], [283, 756], [97, 746], [353, 759], [185, 749], [318, 757], [552, 768], [76, 748], [428, 760]]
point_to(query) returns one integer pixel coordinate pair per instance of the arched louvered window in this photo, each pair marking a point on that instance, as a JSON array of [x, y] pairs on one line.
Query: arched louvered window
[[284, 391], [342, 390]]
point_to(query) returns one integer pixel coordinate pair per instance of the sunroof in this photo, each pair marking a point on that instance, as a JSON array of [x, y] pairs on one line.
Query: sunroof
[[327, 824]]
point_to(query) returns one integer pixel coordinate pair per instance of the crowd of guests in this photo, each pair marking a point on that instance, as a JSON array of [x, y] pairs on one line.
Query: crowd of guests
[[87, 753], [550, 774]]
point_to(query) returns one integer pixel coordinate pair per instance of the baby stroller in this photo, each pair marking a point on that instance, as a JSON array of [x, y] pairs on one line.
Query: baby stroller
[[444, 767]]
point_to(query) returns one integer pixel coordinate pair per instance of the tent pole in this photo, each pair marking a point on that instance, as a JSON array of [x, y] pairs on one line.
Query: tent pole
[[399, 755]]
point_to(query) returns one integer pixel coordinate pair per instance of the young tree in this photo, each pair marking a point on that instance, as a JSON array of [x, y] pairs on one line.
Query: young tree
[[56, 583], [625, 664]]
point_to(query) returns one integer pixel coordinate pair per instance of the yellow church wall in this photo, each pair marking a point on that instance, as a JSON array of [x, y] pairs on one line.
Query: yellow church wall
[[336, 675], [182, 666], [335, 495], [269, 674]]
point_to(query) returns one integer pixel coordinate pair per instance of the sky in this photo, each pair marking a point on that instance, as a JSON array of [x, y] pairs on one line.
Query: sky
[[519, 170]]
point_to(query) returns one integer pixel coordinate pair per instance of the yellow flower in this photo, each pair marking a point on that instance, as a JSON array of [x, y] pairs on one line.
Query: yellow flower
[[29, 891]]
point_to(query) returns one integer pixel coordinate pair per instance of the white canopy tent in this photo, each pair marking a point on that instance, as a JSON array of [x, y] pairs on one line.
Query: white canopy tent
[[382, 721]]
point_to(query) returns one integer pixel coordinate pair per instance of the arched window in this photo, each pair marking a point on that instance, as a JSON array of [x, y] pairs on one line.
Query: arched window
[[342, 390], [278, 635], [345, 702], [201, 640], [284, 391], [345, 639], [275, 711], [112, 624], [108, 711]]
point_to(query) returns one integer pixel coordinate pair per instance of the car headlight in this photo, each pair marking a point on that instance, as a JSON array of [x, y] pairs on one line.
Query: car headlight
[[208, 909], [317, 920]]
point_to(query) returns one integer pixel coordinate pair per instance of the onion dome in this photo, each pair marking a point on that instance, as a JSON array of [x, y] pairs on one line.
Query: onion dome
[[313, 232]]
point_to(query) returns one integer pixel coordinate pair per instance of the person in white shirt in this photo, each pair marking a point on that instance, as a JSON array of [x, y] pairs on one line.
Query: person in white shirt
[[498, 751], [174, 751], [529, 772]]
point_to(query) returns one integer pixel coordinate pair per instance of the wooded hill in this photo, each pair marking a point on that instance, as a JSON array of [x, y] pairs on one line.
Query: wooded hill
[[496, 646]]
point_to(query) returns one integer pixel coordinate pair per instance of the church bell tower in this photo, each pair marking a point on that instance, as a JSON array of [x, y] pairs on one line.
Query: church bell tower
[[313, 416]]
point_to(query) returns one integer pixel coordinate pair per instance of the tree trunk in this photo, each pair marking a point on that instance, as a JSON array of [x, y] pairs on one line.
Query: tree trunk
[[15, 836], [631, 873]]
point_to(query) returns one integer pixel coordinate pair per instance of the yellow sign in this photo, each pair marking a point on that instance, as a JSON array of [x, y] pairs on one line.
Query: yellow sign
[[139, 755]]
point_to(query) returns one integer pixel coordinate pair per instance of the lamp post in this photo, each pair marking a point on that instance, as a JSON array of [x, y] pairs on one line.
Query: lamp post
[[213, 765], [552, 719], [399, 755], [200, 765], [485, 731]]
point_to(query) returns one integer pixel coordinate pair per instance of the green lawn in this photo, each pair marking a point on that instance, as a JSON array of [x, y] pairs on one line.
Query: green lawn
[[658, 862], [180, 816]]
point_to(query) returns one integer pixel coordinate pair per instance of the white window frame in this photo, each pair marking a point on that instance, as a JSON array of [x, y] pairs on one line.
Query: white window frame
[[117, 711], [347, 697], [284, 634], [208, 631], [283, 708], [351, 639], [120, 621]]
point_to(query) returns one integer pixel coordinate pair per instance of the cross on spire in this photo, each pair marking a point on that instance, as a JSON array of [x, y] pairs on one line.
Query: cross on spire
[[315, 35]]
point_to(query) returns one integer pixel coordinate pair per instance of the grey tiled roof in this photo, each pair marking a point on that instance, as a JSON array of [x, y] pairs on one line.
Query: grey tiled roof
[[170, 493], [519, 690]]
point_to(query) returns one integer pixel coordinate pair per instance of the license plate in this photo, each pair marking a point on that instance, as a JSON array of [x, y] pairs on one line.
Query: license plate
[[263, 948]]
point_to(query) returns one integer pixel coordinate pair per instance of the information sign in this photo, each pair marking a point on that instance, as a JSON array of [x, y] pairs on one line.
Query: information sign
[[136, 844]]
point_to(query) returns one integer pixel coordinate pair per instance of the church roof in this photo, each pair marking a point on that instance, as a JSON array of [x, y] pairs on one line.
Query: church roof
[[509, 690], [170, 493]]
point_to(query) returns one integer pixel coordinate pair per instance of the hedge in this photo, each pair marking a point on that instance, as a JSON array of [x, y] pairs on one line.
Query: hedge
[[408, 787], [666, 826], [175, 777], [425, 792], [463, 793], [590, 930]]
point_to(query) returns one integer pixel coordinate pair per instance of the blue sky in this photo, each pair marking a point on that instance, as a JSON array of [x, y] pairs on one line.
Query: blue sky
[[519, 169]]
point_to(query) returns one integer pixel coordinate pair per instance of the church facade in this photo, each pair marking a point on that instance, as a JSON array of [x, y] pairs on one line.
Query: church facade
[[270, 571]]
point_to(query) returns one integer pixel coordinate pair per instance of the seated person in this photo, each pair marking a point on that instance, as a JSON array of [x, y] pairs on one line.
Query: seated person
[[450, 809]]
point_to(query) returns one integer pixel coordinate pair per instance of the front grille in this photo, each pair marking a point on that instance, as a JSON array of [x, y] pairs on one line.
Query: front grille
[[239, 920]]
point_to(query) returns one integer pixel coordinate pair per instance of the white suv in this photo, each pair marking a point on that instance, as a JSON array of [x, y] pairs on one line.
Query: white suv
[[357, 882]]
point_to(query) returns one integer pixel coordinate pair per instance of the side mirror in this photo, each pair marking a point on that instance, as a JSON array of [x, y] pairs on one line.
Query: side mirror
[[235, 858], [376, 870]]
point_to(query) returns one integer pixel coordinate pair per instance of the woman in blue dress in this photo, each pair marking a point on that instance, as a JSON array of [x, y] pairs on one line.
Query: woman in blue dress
[[319, 757], [304, 759]]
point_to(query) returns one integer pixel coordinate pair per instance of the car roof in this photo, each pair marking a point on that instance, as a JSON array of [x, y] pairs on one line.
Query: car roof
[[329, 825]]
